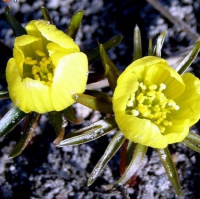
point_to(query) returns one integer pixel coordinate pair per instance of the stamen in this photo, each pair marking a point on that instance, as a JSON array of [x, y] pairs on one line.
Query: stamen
[[50, 76], [162, 128], [34, 70], [31, 62], [156, 108], [36, 77], [142, 86], [141, 98], [162, 87], [166, 122], [40, 53], [177, 107], [151, 103], [44, 59], [132, 98], [135, 112], [153, 87], [129, 103], [151, 93], [28, 58], [42, 68]]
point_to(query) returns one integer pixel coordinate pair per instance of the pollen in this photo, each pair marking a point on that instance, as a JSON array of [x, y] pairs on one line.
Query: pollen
[[42, 67], [150, 102]]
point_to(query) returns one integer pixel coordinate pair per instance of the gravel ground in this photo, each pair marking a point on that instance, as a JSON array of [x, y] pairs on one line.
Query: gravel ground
[[44, 171]]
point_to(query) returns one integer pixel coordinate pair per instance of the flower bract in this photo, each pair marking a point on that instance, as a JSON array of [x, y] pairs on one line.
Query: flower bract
[[47, 68], [153, 104]]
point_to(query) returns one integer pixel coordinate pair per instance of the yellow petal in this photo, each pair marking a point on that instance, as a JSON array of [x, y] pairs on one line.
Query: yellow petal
[[28, 94], [177, 132], [189, 101], [163, 73], [51, 33], [141, 131], [155, 70], [126, 84], [141, 65], [32, 29], [20, 50], [55, 48], [70, 78], [25, 40]]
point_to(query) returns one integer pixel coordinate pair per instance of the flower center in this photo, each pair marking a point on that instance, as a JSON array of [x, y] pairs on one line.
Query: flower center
[[41, 68], [150, 102]]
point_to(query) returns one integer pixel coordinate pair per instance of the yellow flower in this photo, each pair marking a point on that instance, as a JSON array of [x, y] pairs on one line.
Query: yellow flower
[[154, 105], [47, 68]]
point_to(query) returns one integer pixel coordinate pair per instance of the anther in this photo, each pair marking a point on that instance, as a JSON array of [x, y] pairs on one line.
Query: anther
[[135, 112], [162, 128], [47, 61], [40, 53], [31, 62], [156, 108], [36, 77], [142, 86], [162, 87], [28, 58], [153, 87], [151, 93], [44, 59], [34, 69], [129, 103], [50, 76]]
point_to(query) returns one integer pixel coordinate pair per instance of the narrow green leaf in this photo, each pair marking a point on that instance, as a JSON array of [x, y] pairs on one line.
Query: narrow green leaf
[[75, 24], [110, 151], [46, 15], [99, 94], [193, 137], [170, 169], [189, 58], [94, 103], [130, 151], [159, 44], [4, 95], [32, 123], [71, 116], [94, 54], [137, 45], [126, 155], [17, 28], [56, 120], [59, 123], [150, 48], [12, 118], [107, 63], [112, 73], [138, 155], [191, 145], [89, 133]]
